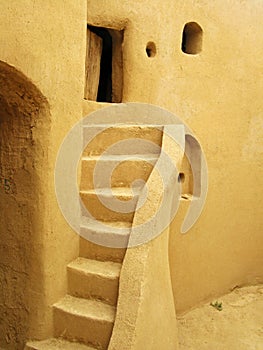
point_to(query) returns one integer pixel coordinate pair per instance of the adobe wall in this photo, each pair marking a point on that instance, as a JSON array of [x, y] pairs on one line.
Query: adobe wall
[[45, 41], [217, 93]]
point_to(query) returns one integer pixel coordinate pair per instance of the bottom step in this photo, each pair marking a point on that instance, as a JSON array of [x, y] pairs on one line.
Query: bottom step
[[56, 344], [83, 320]]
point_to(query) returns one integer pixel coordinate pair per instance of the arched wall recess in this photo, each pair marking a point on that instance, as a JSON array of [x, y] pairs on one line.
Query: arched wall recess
[[24, 125], [192, 38]]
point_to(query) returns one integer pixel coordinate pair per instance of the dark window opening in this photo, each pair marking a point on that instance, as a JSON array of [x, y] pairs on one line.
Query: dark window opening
[[104, 65], [181, 177], [192, 38], [151, 49]]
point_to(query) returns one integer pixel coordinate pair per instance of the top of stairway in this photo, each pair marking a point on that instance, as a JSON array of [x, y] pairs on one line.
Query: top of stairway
[[152, 157], [122, 139], [124, 125], [56, 344]]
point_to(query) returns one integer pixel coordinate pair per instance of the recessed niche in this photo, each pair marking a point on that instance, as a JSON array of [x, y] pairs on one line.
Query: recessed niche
[[151, 49], [104, 65], [192, 39], [181, 177], [190, 171]]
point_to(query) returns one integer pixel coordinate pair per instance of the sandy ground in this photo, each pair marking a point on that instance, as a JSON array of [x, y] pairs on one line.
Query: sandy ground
[[239, 326]]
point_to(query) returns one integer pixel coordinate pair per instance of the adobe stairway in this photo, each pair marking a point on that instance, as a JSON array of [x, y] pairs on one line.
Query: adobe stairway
[[84, 318]]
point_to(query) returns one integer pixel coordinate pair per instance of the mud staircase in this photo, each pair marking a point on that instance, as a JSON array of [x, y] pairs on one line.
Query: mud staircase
[[84, 318]]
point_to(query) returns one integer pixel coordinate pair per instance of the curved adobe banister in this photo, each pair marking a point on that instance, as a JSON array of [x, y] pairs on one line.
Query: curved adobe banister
[[146, 317]]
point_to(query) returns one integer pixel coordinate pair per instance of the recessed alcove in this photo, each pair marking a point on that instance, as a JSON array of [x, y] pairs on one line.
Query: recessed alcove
[[24, 128], [104, 65], [192, 38], [151, 49]]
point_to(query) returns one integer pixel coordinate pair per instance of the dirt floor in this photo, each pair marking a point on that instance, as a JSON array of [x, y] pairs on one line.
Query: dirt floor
[[238, 326]]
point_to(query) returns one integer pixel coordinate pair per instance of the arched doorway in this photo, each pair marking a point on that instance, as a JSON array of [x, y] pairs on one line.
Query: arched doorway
[[24, 119]]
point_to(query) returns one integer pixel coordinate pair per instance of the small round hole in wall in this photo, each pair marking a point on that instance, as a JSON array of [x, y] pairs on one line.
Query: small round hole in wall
[[151, 49], [192, 38], [181, 178]]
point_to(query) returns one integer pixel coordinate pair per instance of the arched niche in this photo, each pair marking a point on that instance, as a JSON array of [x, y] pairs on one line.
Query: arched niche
[[24, 122]]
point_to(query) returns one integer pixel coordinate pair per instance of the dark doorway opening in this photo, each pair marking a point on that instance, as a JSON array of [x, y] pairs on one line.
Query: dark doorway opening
[[104, 64]]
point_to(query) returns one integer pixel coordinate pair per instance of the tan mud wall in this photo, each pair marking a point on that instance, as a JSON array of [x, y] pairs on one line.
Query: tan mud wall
[[22, 111], [218, 93], [45, 41]]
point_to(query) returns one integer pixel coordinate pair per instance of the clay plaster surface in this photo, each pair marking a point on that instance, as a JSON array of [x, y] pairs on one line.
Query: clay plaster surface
[[49, 50], [23, 111], [239, 326], [217, 92]]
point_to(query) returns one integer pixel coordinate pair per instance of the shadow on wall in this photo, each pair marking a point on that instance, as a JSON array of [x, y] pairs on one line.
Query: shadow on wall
[[24, 115]]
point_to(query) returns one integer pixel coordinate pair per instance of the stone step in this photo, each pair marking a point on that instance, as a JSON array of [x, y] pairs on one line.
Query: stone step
[[115, 170], [56, 344], [122, 139], [113, 234], [88, 249], [87, 321], [118, 203], [94, 279]]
